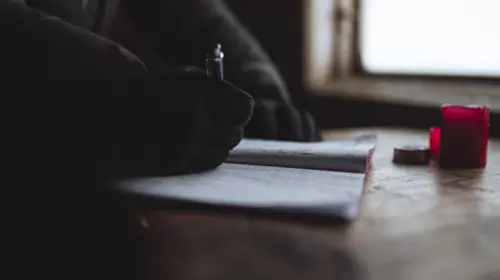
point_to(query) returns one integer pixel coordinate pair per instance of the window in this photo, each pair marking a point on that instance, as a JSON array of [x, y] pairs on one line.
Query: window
[[431, 37], [423, 51]]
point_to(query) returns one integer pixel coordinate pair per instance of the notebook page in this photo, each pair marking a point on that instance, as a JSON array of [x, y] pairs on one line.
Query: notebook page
[[348, 155], [265, 188]]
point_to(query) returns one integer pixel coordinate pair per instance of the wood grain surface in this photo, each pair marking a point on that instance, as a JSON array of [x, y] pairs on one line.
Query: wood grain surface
[[416, 223]]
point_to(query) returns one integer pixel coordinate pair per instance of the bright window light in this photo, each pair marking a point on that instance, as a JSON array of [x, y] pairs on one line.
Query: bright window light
[[431, 37]]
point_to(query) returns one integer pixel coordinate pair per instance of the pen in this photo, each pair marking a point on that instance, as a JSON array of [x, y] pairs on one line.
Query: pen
[[214, 63]]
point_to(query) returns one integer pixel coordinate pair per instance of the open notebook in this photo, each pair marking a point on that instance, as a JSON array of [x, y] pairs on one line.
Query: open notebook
[[324, 178]]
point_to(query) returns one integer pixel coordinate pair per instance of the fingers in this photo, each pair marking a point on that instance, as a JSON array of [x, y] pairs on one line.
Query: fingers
[[223, 140], [263, 124], [230, 103], [225, 101], [216, 151], [210, 160], [290, 125], [276, 120], [311, 131], [226, 137], [208, 122]]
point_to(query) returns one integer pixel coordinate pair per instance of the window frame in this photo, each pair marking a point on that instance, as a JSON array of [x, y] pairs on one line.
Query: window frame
[[333, 65]]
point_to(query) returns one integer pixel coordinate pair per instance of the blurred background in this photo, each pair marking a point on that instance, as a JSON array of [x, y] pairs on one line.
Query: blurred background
[[384, 62]]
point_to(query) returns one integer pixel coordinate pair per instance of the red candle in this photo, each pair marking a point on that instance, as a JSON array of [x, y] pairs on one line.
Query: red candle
[[434, 136], [464, 136]]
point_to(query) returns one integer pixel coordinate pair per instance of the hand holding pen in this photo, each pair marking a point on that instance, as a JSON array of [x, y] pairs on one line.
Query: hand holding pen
[[214, 63]]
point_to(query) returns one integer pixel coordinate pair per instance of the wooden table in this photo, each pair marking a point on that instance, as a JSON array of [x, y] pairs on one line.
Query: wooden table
[[416, 223]]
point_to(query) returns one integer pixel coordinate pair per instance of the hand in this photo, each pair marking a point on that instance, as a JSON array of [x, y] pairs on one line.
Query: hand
[[184, 122], [275, 116], [281, 121]]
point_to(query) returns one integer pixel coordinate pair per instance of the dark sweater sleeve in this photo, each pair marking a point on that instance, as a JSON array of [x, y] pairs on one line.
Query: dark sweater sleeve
[[183, 31], [54, 106], [39, 45]]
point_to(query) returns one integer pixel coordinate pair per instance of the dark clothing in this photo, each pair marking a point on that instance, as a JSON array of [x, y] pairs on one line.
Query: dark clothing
[[76, 107], [171, 33], [174, 32]]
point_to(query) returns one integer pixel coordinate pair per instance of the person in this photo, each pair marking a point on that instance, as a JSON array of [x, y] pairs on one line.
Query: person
[[94, 90], [60, 41]]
